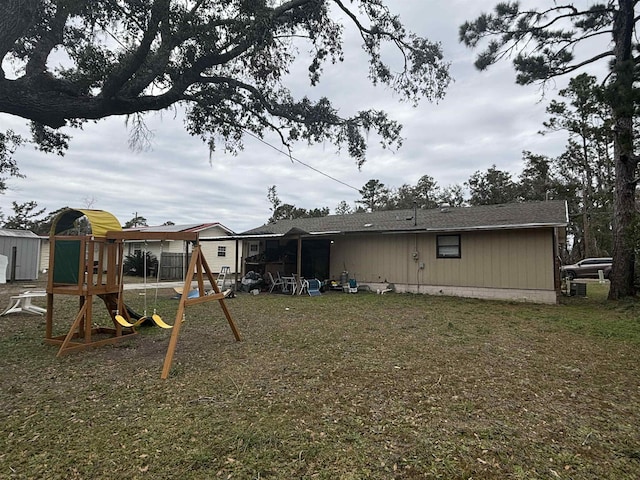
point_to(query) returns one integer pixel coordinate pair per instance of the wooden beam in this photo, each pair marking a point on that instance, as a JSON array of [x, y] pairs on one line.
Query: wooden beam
[[206, 298]]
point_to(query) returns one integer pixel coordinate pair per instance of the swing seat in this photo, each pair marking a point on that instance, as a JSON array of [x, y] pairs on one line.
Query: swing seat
[[157, 319], [159, 322], [122, 321]]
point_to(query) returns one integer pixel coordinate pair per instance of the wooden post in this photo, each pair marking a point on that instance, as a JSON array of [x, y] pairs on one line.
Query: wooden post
[[49, 327], [299, 258]]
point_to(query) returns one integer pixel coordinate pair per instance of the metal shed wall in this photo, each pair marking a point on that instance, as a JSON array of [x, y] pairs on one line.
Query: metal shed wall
[[27, 254]]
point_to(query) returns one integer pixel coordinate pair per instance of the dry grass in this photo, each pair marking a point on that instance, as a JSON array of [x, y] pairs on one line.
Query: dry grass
[[334, 387]]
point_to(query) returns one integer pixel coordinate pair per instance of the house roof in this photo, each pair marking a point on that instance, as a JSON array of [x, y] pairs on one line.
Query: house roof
[[552, 213], [192, 227]]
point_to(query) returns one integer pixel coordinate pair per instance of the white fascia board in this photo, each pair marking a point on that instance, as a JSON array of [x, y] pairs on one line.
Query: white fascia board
[[242, 237], [498, 227]]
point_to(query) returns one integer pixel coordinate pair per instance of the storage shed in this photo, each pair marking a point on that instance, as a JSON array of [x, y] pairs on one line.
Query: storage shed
[[22, 248]]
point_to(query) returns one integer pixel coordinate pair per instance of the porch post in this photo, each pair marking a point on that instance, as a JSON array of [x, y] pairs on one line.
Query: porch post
[[235, 280], [299, 263]]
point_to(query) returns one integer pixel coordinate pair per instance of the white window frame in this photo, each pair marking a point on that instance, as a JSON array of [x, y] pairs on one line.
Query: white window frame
[[448, 246]]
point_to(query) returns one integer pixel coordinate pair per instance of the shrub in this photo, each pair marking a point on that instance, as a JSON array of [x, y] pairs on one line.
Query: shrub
[[134, 264]]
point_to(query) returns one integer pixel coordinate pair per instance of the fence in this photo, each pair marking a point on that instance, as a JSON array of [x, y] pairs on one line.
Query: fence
[[172, 266]]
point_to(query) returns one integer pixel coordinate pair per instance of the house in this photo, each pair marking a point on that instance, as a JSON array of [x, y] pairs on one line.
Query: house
[[507, 251], [45, 249], [218, 248], [22, 249]]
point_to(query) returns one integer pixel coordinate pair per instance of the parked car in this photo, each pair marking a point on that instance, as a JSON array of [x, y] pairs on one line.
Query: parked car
[[588, 268]]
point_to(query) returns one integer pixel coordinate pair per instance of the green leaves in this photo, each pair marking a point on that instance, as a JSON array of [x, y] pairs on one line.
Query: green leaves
[[491, 188], [9, 142], [541, 42], [48, 140]]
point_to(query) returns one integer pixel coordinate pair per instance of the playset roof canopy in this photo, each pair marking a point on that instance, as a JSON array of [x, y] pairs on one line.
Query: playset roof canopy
[[100, 220]]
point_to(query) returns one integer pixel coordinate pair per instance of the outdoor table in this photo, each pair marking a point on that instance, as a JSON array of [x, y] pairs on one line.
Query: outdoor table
[[22, 303], [289, 282]]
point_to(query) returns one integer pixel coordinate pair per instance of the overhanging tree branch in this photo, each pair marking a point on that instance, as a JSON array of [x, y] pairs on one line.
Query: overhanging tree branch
[[226, 63], [130, 64]]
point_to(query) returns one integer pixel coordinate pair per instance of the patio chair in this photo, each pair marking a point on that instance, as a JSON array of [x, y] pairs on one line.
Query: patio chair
[[313, 287], [279, 282], [300, 284]]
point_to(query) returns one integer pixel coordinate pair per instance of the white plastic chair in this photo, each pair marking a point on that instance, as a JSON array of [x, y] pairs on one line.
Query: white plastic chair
[[302, 285], [279, 282]]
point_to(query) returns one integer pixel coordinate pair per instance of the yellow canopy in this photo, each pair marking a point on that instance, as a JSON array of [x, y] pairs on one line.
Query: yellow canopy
[[101, 222]]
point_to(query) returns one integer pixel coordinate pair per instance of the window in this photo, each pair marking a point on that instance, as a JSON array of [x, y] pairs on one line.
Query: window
[[222, 251], [448, 246], [253, 247]]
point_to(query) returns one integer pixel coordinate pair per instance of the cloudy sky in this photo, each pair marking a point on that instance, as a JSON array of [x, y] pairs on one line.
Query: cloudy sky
[[485, 119]]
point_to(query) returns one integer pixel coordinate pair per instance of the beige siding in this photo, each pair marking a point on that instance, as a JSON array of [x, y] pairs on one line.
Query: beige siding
[[508, 259], [173, 246], [376, 258], [44, 254], [210, 252], [502, 259]]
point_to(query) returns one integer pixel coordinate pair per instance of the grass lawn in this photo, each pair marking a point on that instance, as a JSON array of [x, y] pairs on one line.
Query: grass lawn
[[340, 386]]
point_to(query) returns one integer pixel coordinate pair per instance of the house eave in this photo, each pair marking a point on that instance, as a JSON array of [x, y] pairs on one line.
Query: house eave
[[521, 226], [455, 229], [403, 231]]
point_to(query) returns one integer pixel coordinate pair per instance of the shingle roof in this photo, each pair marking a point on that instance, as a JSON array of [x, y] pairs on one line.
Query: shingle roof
[[486, 217]]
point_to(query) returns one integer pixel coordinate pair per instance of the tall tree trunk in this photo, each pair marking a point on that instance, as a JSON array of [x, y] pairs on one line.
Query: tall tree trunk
[[623, 270], [587, 201]]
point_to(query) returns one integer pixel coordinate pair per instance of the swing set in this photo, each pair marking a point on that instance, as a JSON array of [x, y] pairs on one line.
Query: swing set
[[157, 319], [89, 266]]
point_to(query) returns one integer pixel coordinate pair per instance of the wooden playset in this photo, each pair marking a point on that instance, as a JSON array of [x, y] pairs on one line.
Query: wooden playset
[[90, 266]]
